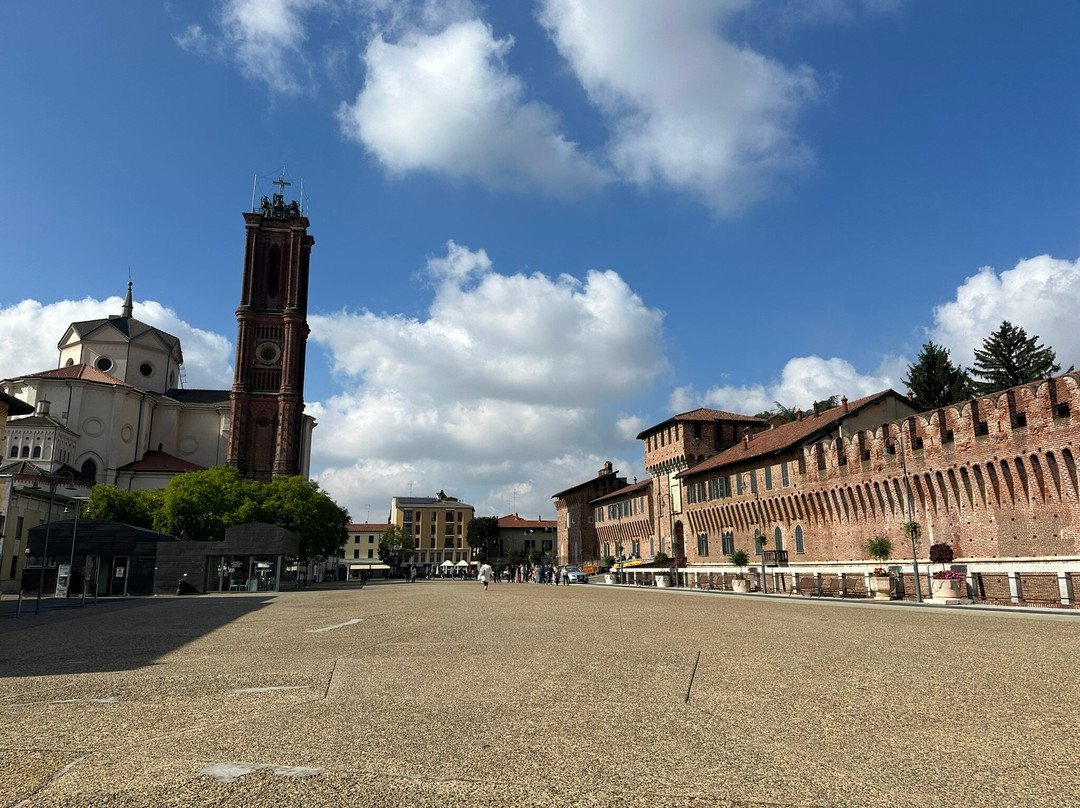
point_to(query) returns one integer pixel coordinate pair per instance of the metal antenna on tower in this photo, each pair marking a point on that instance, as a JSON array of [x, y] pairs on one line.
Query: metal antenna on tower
[[410, 489], [301, 195], [254, 184], [367, 518]]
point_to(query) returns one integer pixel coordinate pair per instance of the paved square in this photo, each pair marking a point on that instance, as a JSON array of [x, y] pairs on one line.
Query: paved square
[[441, 694]]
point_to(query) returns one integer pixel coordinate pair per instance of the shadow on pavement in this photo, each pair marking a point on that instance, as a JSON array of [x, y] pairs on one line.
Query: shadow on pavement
[[107, 636]]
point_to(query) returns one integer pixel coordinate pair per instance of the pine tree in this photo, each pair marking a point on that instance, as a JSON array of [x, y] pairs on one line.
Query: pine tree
[[1009, 357], [934, 381]]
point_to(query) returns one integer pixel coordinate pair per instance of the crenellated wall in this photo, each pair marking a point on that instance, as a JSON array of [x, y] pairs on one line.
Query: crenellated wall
[[995, 478]]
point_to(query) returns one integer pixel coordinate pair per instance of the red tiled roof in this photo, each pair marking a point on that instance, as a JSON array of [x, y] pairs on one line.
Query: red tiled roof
[[82, 371], [161, 461], [590, 481], [787, 436], [367, 527], [702, 414], [513, 521], [631, 490]]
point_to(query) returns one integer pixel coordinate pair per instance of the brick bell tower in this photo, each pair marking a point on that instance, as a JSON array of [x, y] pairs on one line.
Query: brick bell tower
[[267, 423]]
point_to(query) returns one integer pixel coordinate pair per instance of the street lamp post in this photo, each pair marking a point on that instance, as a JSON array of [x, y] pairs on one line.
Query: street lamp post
[[53, 479], [71, 558], [761, 530], [899, 440]]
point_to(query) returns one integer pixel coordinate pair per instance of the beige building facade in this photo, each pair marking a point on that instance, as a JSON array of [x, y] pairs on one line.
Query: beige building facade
[[437, 525]]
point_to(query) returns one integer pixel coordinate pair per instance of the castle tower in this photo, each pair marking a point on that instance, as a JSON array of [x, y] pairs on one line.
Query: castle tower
[[267, 422]]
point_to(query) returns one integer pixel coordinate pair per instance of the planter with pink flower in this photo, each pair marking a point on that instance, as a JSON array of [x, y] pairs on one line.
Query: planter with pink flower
[[949, 585]]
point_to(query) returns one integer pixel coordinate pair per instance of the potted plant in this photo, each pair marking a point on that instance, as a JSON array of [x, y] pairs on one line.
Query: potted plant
[[882, 584], [740, 559], [609, 573], [659, 560], [948, 585]]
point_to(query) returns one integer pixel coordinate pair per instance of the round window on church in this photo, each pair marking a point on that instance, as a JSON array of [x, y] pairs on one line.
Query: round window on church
[[267, 353], [104, 364], [146, 369]]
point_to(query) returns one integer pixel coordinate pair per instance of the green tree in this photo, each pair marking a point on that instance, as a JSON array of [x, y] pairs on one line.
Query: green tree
[[739, 559], [879, 547], [935, 382], [1009, 357], [482, 534], [202, 505], [395, 547], [791, 413], [298, 505], [137, 508]]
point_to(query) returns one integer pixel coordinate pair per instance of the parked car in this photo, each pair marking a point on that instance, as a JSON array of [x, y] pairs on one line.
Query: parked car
[[575, 576]]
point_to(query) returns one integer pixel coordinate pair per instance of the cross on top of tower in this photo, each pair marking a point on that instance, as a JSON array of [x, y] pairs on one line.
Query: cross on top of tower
[[281, 183]]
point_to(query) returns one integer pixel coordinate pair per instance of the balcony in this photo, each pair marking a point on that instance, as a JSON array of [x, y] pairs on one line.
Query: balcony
[[774, 558]]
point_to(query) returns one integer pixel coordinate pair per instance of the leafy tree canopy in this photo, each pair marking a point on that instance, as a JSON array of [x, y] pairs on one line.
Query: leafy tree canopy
[[395, 547], [298, 505], [791, 413], [482, 534], [202, 505], [1009, 357], [935, 382], [136, 508]]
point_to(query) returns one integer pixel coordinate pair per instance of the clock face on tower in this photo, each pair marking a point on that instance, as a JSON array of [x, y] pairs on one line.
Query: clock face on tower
[[267, 353]]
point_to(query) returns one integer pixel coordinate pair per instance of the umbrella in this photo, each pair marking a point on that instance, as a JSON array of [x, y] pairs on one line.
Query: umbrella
[[462, 563], [447, 563]]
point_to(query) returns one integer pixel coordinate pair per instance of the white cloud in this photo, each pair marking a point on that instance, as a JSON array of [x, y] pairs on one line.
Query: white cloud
[[265, 38], [688, 107], [1041, 295], [446, 102], [804, 380], [504, 374], [30, 331]]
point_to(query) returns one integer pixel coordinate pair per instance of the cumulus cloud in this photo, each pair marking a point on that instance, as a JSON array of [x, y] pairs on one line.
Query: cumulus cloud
[[505, 373], [446, 102], [1041, 295], [265, 39], [687, 106], [30, 331], [804, 380]]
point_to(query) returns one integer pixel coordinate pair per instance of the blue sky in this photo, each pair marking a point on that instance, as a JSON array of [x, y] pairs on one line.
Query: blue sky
[[542, 226]]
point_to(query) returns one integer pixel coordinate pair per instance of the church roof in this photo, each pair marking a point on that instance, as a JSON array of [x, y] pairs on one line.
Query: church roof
[[199, 396], [123, 324], [38, 421], [24, 468], [81, 371], [161, 461]]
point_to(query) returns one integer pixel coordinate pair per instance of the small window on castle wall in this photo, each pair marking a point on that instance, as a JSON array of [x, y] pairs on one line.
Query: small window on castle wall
[[982, 428], [918, 442], [1062, 410], [947, 437], [1021, 419]]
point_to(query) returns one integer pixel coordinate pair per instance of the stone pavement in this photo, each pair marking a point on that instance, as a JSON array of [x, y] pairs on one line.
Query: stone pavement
[[441, 694]]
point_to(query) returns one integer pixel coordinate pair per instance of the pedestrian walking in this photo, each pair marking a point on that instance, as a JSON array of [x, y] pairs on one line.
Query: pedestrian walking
[[485, 574]]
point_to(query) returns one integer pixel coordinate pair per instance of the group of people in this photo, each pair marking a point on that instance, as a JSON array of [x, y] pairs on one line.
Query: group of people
[[524, 573]]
